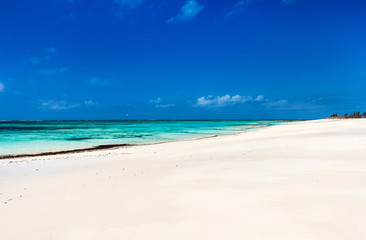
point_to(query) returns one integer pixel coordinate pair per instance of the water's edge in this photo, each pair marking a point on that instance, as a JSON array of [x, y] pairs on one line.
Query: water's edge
[[111, 146], [115, 146], [96, 148]]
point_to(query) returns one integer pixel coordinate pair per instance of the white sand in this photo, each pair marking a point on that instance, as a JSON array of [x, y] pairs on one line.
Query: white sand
[[304, 180]]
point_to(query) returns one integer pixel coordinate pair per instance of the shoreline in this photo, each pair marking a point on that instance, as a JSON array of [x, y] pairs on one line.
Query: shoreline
[[116, 146], [45, 154]]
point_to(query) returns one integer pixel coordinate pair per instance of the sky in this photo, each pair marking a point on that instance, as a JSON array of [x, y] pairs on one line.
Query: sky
[[189, 59]]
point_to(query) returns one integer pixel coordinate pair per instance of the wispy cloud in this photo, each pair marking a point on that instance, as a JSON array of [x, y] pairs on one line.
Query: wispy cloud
[[283, 104], [49, 50], [47, 56], [158, 103], [259, 98], [157, 100], [128, 3], [52, 71], [168, 105], [188, 11], [276, 104], [2, 87], [98, 81], [57, 105], [89, 102], [33, 60], [226, 100], [238, 7]]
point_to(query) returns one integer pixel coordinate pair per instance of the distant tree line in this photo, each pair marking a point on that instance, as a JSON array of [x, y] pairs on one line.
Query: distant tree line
[[351, 115]]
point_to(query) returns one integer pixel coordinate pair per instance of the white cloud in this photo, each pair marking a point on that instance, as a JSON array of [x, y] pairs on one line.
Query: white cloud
[[222, 101], [188, 11], [63, 105], [89, 102], [2, 87], [259, 98], [128, 3], [157, 100], [158, 103], [57, 105], [52, 71]]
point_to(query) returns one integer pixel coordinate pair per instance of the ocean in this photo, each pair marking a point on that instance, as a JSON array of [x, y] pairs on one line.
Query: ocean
[[34, 137]]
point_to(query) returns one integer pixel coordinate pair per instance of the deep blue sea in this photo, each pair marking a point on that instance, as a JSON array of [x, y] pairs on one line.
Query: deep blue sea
[[33, 137]]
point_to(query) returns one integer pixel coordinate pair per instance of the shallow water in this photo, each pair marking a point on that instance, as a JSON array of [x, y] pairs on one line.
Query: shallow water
[[31, 137]]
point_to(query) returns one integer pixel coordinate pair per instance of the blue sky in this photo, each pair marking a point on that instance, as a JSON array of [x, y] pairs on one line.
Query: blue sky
[[190, 59]]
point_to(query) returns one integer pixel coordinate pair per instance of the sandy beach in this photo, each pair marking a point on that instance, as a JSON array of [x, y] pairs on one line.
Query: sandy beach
[[299, 180]]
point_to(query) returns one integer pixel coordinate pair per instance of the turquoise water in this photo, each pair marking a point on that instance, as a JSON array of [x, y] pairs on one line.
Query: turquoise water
[[31, 137]]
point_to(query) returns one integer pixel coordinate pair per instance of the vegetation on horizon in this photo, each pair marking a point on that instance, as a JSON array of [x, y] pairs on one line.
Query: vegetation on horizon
[[346, 115]]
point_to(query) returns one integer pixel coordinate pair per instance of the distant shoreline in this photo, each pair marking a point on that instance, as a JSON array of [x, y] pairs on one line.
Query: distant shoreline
[[354, 115]]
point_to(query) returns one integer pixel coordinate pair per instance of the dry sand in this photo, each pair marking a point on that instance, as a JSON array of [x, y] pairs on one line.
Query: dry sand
[[301, 180]]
